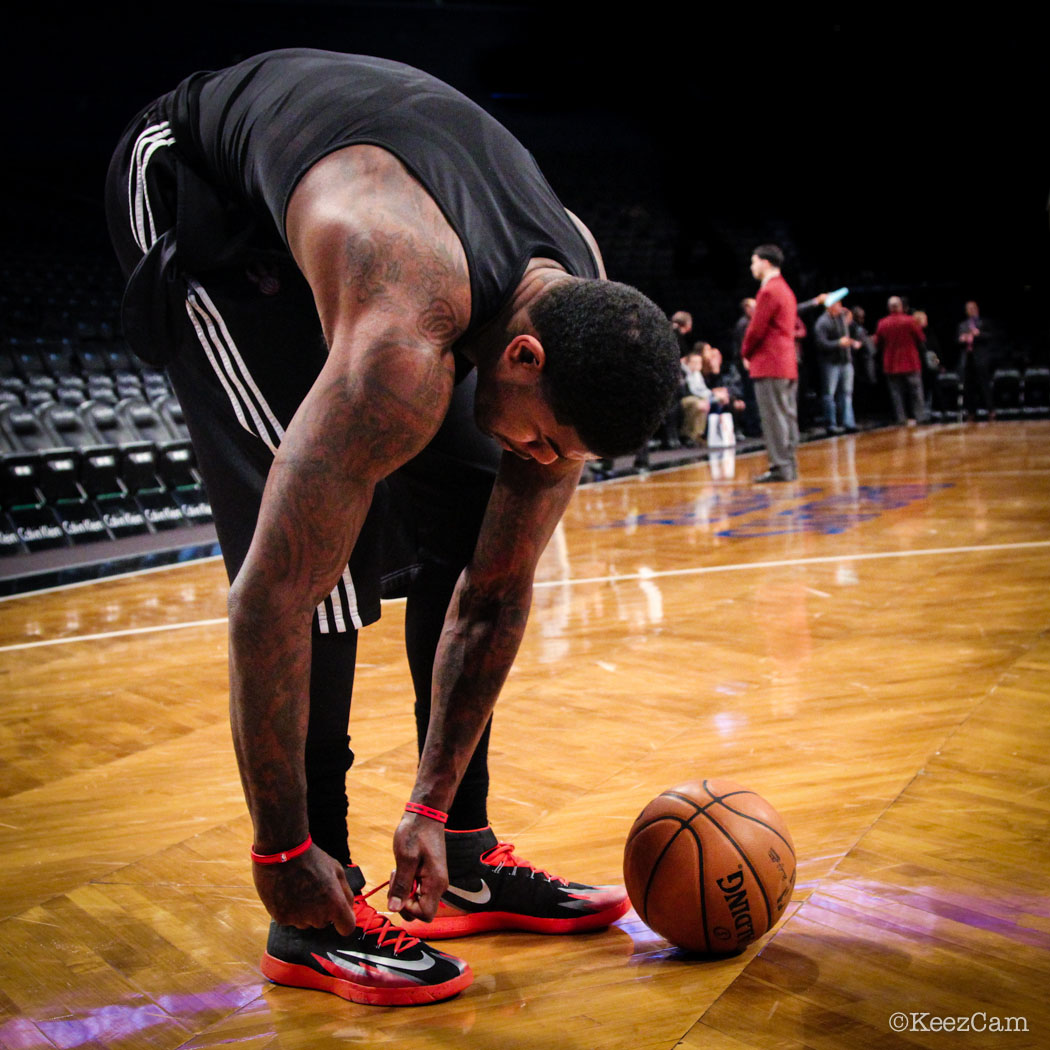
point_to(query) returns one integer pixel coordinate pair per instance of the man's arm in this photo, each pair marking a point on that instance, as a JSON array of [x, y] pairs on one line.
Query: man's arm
[[391, 295], [827, 337], [483, 629], [357, 424]]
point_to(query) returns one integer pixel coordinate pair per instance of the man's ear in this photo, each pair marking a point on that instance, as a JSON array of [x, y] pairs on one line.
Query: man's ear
[[526, 351]]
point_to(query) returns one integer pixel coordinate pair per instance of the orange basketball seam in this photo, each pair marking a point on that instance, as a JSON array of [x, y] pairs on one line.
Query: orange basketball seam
[[769, 827], [655, 866], [742, 853], [703, 885]]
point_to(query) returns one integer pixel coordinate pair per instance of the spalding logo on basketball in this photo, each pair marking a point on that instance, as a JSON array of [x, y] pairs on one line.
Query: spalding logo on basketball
[[710, 866]]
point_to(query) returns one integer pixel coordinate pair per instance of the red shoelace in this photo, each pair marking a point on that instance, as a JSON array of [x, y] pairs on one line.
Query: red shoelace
[[370, 922], [502, 855]]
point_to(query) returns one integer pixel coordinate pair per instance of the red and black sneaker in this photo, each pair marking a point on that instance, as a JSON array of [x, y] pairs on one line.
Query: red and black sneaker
[[379, 964], [492, 889]]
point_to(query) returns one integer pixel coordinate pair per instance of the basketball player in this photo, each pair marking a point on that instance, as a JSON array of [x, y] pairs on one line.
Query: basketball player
[[387, 335]]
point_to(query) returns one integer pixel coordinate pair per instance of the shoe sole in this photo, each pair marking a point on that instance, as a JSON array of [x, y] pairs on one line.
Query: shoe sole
[[294, 975], [464, 924]]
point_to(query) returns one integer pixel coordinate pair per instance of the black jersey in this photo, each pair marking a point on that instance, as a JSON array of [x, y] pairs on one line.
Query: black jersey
[[253, 130]]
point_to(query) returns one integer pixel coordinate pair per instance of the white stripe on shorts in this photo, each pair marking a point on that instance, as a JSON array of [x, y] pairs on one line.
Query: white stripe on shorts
[[149, 141], [245, 396], [249, 405]]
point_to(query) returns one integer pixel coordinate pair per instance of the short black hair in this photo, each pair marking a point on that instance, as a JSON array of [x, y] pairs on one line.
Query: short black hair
[[612, 362], [771, 253]]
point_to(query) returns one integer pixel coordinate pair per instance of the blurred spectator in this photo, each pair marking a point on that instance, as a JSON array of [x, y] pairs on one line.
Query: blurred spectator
[[751, 421], [747, 310], [727, 390], [835, 346], [974, 368], [682, 323], [900, 339], [695, 399], [932, 361], [864, 361]]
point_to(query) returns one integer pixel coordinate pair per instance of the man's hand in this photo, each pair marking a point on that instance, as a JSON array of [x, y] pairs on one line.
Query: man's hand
[[309, 891], [421, 875]]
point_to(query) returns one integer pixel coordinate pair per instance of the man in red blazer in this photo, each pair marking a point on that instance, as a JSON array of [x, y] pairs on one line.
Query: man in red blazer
[[902, 343], [768, 351]]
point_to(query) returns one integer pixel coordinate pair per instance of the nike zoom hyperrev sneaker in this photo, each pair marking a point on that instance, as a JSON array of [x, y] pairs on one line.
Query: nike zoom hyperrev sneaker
[[379, 964], [492, 889]]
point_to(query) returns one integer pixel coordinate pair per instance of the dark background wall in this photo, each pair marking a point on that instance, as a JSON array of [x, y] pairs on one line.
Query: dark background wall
[[889, 151]]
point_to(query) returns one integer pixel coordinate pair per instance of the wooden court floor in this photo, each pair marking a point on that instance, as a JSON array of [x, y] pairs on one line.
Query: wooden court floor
[[869, 648]]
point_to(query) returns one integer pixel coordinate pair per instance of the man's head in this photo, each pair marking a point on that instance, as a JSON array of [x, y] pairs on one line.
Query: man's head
[[682, 322], [895, 304], [712, 358], [747, 306], [765, 259], [858, 314], [597, 374], [972, 309], [835, 309]]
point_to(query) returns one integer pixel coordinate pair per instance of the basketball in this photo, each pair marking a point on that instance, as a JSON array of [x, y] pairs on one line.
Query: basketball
[[709, 865]]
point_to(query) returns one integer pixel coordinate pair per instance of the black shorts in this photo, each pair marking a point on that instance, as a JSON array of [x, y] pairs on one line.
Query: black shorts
[[214, 297]]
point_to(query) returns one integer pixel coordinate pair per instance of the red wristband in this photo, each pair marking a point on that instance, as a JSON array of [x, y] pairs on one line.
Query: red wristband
[[426, 811], [286, 855]]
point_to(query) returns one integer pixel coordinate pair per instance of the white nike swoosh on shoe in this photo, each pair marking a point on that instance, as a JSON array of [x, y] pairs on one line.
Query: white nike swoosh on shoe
[[482, 896], [378, 960]]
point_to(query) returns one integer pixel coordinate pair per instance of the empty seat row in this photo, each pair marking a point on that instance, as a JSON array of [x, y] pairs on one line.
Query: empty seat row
[[72, 496], [26, 358], [1014, 393], [57, 424]]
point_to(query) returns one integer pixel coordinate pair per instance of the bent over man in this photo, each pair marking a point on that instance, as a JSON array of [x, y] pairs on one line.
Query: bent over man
[[383, 328]]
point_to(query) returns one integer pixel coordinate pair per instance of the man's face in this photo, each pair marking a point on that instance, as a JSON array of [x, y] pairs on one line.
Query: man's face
[[682, 323], [518, 416], [835, 309], [758, 267], [972, 310], [712, 360]]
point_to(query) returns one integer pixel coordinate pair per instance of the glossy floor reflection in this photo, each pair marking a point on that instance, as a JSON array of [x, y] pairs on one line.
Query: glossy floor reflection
[[867, 647]]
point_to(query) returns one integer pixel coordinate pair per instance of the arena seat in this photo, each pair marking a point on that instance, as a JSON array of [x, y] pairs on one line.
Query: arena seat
[[169, 409], [143, 419], [950, 391], [1006, 391], [69, 427], [1036, 392], [25, 430]]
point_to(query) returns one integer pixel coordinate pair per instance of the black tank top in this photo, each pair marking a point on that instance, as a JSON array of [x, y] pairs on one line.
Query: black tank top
[[253, 130]]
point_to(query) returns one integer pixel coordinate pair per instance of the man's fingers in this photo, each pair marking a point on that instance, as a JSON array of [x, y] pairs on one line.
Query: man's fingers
[[422, 902], [402, 884], [345, 921]]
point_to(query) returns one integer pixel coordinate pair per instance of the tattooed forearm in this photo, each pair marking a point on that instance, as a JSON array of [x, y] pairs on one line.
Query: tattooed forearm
[[487, 619], [480, 640]]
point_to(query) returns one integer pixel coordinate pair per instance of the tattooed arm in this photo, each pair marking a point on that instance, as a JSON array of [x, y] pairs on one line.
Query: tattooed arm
[[391, 289], [483, 629]]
